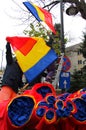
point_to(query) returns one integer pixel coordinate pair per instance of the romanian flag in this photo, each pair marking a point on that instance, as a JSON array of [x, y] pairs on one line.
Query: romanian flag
[[40, 14], [33, 55]]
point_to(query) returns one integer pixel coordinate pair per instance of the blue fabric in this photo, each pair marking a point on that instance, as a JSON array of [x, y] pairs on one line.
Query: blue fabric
[[60, 104], [83, 90], [64, 96], [51, 99], [62, 112], [69, 106], [40, 112], [49, 114], [44, 90], [66, 112], [50, 105], [43, 103], [20, 109], [59, 112], [32, 9], [38, 68], [81, 109], [83, 97]]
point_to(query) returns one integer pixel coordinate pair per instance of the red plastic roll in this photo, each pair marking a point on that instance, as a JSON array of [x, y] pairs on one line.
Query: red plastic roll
[[20, 111], [47, 121]]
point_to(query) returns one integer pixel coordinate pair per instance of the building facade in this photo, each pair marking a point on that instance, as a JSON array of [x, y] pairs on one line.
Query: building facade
[[75, 56]]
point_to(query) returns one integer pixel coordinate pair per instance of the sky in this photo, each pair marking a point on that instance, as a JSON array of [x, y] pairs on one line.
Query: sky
[[11, 26]]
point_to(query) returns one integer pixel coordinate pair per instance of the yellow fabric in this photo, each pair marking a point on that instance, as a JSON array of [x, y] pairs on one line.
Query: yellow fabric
[[41, 15], [39, 50]]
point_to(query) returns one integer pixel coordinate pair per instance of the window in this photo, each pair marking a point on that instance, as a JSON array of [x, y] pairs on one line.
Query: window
[[79, 52], [84, 62], [79, 61]]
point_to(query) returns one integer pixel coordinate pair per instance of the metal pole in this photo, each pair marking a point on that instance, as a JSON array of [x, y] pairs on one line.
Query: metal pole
[[56, 81], [62, 33], [62, 27]]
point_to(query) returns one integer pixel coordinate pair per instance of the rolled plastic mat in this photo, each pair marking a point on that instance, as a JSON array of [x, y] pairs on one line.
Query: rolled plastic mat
[[20, 110]]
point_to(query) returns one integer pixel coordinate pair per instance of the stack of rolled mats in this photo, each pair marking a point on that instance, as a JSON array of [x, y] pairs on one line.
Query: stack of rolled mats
[[40, 108]]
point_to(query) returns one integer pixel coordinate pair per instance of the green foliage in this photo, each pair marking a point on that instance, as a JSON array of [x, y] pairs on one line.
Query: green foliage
[[57, 48], [83, 47], [51, 39], [76, 82], [37, 31]]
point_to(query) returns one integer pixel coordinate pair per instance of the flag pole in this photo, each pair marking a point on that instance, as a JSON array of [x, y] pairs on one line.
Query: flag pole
[[56, 81]]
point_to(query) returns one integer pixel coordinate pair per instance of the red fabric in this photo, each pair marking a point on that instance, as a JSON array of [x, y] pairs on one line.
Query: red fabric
[[37, 97], [65, 124], [3, 115], [39, 85], [77, 122], [43, 125], [6, 93], [48, 19], [80, 127], [21, 43], [5, 123], [33, 121]]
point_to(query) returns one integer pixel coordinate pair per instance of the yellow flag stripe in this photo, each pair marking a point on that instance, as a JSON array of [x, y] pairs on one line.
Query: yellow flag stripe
[[39, 50], [40, 13]]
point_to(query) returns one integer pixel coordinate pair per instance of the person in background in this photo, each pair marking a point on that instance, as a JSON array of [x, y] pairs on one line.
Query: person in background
[[51, 69], [50, 73], [12, 78]]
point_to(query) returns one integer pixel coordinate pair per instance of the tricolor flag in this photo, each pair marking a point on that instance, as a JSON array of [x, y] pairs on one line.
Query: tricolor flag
[[33, 55], [40, 14]]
